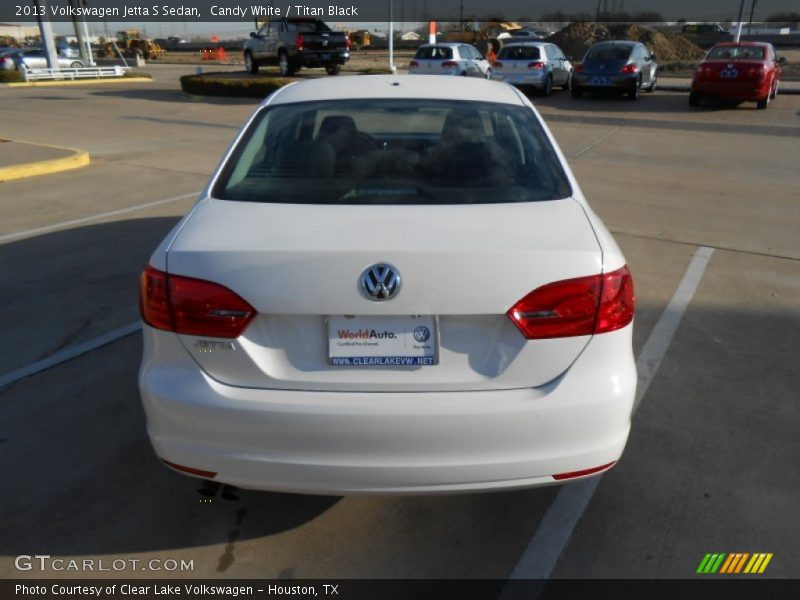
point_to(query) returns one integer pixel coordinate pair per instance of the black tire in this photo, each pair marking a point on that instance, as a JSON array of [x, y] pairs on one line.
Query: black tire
[[284, 64], [250, 65], [775, 90], [488, 74], [568, 84], [464, 74], [576, 92], [333, 69], [763, 104], [76, 64], [548, 86], [694, 99], [636, 90]]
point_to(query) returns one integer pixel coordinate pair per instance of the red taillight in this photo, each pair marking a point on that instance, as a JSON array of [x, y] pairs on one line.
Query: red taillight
[[449, 64], [631, 68], [579, 68], [413, 64], [190, 470], [584, 473], [497, 65], [536, 66], [192, 306], [756, 72], [299, 41], [574, 307]]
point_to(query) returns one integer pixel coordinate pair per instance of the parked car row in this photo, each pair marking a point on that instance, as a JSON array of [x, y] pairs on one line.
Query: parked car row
[[33, 58]]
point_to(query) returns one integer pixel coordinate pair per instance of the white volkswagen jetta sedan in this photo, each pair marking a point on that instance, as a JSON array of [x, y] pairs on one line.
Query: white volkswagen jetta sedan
[[393, 286]]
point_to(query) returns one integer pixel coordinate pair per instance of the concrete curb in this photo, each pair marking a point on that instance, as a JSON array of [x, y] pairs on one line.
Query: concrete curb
[[60, 82], [76, 160]]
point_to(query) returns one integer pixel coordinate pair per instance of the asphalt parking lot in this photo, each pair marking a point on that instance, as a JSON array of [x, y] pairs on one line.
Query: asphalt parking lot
[[712, 460]]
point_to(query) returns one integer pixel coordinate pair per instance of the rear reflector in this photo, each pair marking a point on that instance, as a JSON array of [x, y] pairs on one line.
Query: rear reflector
[[584, 473], [192, 306], [190, 470], [575, 307]]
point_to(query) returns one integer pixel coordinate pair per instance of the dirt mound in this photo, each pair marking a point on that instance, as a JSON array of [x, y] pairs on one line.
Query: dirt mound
[[575, 39], [666, 46]]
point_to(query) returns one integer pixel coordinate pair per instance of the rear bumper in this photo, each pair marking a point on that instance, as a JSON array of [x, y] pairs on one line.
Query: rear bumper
[[733, 90], [587, 81], [321, 59], [381, 443], [537, 80]]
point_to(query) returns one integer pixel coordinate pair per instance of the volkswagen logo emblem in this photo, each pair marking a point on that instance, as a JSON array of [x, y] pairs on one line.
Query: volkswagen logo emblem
[[380, 282]]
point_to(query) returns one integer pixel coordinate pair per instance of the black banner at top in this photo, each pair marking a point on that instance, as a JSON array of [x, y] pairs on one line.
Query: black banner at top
[[365, 11]]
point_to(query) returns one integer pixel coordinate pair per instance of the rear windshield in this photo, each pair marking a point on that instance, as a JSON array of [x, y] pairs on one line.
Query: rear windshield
[[519, 53], [393, 152], [736, 52], [435, 52], [609, 53], [306, 26]]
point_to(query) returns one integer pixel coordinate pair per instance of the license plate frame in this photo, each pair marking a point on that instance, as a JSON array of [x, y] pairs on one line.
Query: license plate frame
[[356, 347]]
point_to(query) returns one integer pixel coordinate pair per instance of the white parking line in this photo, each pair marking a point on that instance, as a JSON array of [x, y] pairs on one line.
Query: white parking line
[[95, 217], [550, 539], [68, 354]]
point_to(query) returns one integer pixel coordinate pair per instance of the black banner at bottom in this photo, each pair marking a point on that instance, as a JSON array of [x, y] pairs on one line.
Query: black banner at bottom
[[405, 589]]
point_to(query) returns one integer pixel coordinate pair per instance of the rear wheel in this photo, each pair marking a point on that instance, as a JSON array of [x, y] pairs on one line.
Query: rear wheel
[[548, 86], [636, 90], [76, 65], [333, 69], [694, 99], [488, 74], [250, 65], [284, 66], [763, 104]]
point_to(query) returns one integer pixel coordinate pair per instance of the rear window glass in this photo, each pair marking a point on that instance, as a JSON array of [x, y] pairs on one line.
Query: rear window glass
[[434, 52], [737, 52], [609, 53], [519, 53], [307, 26], [393, 152]]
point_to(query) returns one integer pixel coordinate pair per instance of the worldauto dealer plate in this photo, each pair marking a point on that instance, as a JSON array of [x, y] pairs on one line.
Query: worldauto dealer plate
[[383, 341]]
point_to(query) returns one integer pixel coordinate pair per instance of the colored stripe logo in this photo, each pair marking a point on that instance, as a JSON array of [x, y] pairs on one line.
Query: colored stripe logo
[[734, 563]]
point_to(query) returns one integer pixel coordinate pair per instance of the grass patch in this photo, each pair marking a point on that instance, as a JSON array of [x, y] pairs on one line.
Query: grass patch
[[136, 74], [223, 84], [10, 76]]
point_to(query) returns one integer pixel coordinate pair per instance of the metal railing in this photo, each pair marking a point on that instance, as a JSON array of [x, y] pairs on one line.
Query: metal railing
[[81, 73]]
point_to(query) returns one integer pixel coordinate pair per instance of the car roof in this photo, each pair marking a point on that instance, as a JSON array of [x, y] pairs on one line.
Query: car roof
[[732, 44], [617, 43], [538, 44], [446, 44], [429, 87]]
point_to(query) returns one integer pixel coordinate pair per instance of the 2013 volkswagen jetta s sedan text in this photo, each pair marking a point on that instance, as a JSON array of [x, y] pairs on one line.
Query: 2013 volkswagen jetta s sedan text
[[389, 287]]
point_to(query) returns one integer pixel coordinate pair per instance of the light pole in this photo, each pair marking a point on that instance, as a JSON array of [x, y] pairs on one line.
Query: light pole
[[738, 35], [46, 31], [392, 68]]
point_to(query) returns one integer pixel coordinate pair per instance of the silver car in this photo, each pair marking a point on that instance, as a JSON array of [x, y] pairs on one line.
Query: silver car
[[450, 59], [33, 58], [533, 64]]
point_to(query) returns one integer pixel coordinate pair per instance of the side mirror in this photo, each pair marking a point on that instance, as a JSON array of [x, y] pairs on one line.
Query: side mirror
[[569, 58], [253, 34], [782, 60], [652, 57]]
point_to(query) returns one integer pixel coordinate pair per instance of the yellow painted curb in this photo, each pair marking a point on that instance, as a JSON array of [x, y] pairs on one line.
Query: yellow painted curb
[[78, 159], [79, 82]]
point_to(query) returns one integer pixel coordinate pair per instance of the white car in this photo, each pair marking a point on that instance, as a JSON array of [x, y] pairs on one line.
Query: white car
[[535, 64], [394, 287], [450, 59]]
